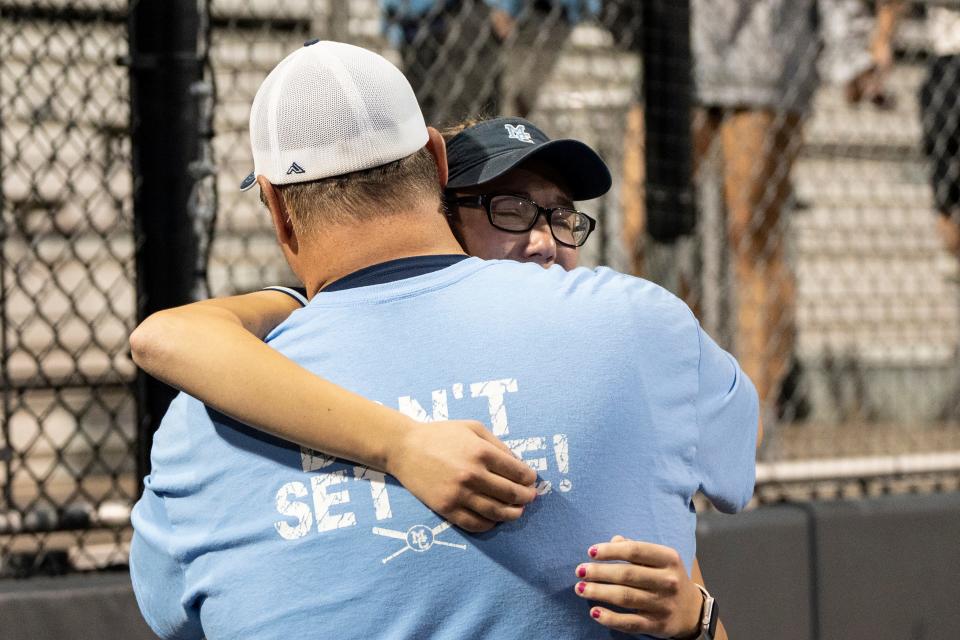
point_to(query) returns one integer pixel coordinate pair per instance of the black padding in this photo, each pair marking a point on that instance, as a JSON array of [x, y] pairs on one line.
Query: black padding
[[889, 569], [78, 607], [757, 565]]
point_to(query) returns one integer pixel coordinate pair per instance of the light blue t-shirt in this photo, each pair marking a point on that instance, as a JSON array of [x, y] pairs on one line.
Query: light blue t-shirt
[[604, 383]]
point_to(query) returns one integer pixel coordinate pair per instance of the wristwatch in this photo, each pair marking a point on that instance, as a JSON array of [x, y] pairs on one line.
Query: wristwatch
[[711, 616]]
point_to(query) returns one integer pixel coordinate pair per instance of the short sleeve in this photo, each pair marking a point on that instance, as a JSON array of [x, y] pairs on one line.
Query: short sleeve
[[158, 576], [727, 420]]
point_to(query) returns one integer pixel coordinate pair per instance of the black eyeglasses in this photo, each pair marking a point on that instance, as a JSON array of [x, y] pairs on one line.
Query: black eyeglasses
[[518, 215]]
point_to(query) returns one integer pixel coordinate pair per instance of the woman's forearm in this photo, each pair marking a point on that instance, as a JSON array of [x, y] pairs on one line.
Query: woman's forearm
[[214, 351], [210, 353]]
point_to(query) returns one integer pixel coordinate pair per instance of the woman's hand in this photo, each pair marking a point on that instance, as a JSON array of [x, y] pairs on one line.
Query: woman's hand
[[650, 580], [463, 472]]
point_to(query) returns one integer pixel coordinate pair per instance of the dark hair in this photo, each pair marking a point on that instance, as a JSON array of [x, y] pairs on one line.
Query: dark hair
[[450, 210], [362, 195], [452, 131], [449, 133]]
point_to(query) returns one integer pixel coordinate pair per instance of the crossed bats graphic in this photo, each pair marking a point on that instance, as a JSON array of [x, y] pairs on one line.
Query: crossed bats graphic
[[422, 543]]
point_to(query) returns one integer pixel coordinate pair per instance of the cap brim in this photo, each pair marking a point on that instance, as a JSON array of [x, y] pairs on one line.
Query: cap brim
[[248, 182], [583, 171]]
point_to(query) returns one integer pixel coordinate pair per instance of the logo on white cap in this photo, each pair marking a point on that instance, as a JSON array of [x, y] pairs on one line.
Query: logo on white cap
[[329, 109], [518, 132]]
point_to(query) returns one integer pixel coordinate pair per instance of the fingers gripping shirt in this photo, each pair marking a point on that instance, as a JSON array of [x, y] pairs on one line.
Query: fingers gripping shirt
[[602, 383]]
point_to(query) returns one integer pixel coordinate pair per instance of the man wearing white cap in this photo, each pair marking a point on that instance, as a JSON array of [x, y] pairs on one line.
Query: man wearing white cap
[[239, 535]]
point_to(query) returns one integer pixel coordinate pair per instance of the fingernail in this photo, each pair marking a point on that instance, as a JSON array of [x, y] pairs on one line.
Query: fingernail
[[595, 613], [582, 572], [581, 587], [592, 552]]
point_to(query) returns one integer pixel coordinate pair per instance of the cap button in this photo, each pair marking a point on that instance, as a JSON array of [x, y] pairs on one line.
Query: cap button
[[310, 42]]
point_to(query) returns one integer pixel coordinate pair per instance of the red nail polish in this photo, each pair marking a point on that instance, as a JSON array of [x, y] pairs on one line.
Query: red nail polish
[[595, 613], [592, 552], [582, 572], [581, 587]]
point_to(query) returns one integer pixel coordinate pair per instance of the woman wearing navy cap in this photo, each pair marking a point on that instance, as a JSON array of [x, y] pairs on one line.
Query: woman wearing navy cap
[[504, 173], [510, 195]]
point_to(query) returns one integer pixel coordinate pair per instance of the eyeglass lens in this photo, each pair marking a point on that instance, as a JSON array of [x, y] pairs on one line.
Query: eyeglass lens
[[517, 214]]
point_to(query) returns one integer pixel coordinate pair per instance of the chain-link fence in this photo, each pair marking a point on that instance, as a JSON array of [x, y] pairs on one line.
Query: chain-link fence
[[822, 136], [66, 288]]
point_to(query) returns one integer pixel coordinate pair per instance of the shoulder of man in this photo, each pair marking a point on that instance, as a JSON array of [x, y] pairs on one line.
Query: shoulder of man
[[634, 292], [611, 297]]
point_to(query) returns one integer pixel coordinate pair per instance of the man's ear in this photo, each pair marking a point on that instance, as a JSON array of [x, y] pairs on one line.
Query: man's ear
[[438, 149], [279, 216]]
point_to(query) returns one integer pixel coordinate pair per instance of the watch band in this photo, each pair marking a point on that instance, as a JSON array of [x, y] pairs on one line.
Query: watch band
[[711, 616]]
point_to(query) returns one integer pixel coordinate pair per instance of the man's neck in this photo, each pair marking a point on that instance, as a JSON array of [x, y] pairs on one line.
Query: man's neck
[[340, 250]]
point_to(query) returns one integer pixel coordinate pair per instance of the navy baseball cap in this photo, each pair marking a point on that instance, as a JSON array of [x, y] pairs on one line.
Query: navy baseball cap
[[484, 152]]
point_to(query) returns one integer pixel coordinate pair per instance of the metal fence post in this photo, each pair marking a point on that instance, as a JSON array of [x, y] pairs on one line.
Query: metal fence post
[[667, 94], [164, 64], [338, 20], [6, 451]]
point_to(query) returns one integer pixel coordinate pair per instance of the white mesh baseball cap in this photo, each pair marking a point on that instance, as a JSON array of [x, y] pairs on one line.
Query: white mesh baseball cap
[[328, 109]]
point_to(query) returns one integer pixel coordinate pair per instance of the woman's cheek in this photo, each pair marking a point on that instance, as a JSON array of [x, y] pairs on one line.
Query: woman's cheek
[[568, 257]]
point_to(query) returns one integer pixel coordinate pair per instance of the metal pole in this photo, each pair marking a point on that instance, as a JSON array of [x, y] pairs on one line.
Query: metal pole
[[6, 450], [164, 128], [667, 93], [338, 20]]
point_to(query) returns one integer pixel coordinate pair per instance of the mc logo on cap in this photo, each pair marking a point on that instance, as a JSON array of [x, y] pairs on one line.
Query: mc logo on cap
[[518, 132]]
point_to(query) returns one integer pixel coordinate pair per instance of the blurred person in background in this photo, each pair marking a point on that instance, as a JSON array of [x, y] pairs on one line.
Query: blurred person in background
[[450, 52], [480, 56], [756, 68], [534, 33], [940, 122], [940, 111]]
